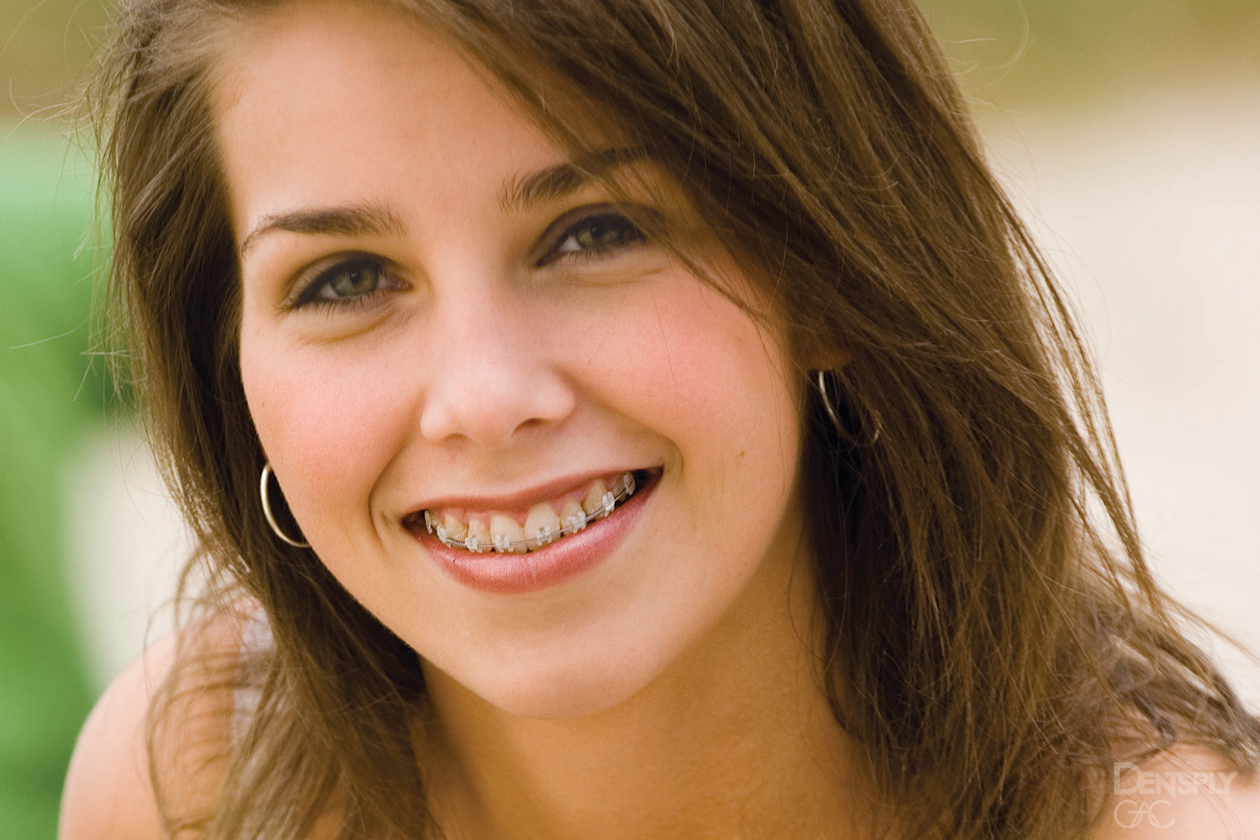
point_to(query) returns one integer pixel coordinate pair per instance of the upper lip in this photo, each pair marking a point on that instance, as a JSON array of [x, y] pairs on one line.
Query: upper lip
[[522, 499]]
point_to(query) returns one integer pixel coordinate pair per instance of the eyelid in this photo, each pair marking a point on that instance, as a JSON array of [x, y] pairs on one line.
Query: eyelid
[[305, 287], [640, 217]]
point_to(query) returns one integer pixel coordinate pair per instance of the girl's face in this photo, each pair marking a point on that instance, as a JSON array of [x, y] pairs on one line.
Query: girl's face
[[443, 314]]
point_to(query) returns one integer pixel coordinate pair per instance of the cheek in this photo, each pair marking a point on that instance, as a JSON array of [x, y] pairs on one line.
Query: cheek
[[698, 370], [327, 425], [710, 360]]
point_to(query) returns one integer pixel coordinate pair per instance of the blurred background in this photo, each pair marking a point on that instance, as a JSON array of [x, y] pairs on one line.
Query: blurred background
[[1128, 130]]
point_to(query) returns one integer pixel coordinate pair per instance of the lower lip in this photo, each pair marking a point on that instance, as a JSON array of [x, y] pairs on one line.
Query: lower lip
[[513, 574]]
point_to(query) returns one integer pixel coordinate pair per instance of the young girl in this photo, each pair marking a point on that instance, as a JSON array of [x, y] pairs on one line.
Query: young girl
[[609, 418]]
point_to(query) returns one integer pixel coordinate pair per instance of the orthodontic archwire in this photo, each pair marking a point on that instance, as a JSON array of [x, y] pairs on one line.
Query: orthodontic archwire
[[542, 536]]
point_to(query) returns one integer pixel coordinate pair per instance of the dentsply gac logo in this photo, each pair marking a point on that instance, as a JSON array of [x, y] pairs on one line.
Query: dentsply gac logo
[[1131, 814], [1128, 779]]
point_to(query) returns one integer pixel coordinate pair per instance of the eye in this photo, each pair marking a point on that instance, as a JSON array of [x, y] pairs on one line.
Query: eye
[[352, 281], [594, 235], [349, 281]]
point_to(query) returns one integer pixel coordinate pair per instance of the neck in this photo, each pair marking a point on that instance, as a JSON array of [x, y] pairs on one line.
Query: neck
[[734, 739]]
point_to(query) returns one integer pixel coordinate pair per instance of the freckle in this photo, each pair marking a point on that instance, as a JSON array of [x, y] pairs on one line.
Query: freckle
[[741, 453]]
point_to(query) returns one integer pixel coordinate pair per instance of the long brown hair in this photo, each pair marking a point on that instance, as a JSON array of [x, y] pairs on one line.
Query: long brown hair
[[994, 637]]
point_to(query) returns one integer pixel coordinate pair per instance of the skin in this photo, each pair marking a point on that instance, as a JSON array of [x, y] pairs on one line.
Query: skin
[[669, 691], [666, 685], [482, 373]]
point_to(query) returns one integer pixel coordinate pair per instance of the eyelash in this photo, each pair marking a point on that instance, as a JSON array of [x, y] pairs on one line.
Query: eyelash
[[310, 294], [588, 218]]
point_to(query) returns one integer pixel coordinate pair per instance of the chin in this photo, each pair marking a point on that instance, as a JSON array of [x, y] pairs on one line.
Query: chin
[[575, 690]]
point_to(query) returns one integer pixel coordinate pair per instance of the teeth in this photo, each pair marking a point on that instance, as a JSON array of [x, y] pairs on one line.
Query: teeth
[[478, 538], [456, 529], [507, 536], [541, 526], [593, 504], [573, 517]]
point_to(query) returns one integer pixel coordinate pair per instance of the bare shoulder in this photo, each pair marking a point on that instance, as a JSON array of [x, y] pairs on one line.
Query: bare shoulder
[[109, 791], [1188, 794]]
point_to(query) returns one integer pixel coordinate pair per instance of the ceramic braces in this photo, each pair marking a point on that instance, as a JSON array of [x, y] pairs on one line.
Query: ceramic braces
[[543, 536]]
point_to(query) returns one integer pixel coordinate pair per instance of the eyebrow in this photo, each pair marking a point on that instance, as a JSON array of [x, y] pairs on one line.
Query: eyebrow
[[352, 220], [555, 182], [518, 195]]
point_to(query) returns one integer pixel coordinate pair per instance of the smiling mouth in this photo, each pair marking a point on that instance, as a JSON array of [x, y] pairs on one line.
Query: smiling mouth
[[542, 525]]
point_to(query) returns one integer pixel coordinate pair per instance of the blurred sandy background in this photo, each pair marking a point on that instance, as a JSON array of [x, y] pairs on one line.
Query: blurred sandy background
[[1129, 130]]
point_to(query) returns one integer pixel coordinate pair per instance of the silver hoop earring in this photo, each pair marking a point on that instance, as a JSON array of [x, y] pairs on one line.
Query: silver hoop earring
[[266, 506], [826, 398], [831, 411]]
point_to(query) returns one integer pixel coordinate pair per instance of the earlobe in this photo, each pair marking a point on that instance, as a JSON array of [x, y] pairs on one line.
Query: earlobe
[[819, 356]]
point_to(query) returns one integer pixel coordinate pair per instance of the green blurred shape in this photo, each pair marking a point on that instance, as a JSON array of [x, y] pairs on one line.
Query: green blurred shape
[[1083, 52], [48, 397]]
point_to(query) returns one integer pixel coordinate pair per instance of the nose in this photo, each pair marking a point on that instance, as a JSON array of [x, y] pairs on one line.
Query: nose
[[495, 375]]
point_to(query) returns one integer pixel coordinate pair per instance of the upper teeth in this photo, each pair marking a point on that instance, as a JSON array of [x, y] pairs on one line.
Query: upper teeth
[[542, 527]]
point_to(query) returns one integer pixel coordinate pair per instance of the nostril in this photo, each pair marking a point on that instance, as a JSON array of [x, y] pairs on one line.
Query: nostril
[[532, 423]]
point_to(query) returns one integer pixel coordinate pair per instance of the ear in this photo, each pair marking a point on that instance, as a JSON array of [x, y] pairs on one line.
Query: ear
[[818, 356]]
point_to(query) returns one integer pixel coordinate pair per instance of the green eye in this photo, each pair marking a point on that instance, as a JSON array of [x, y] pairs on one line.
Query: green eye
[[358, 279], [597, 234], [352, 281]]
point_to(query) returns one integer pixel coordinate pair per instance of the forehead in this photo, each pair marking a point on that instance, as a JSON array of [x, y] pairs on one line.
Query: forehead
[[331, 104], [345, 39], [318, 102]]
